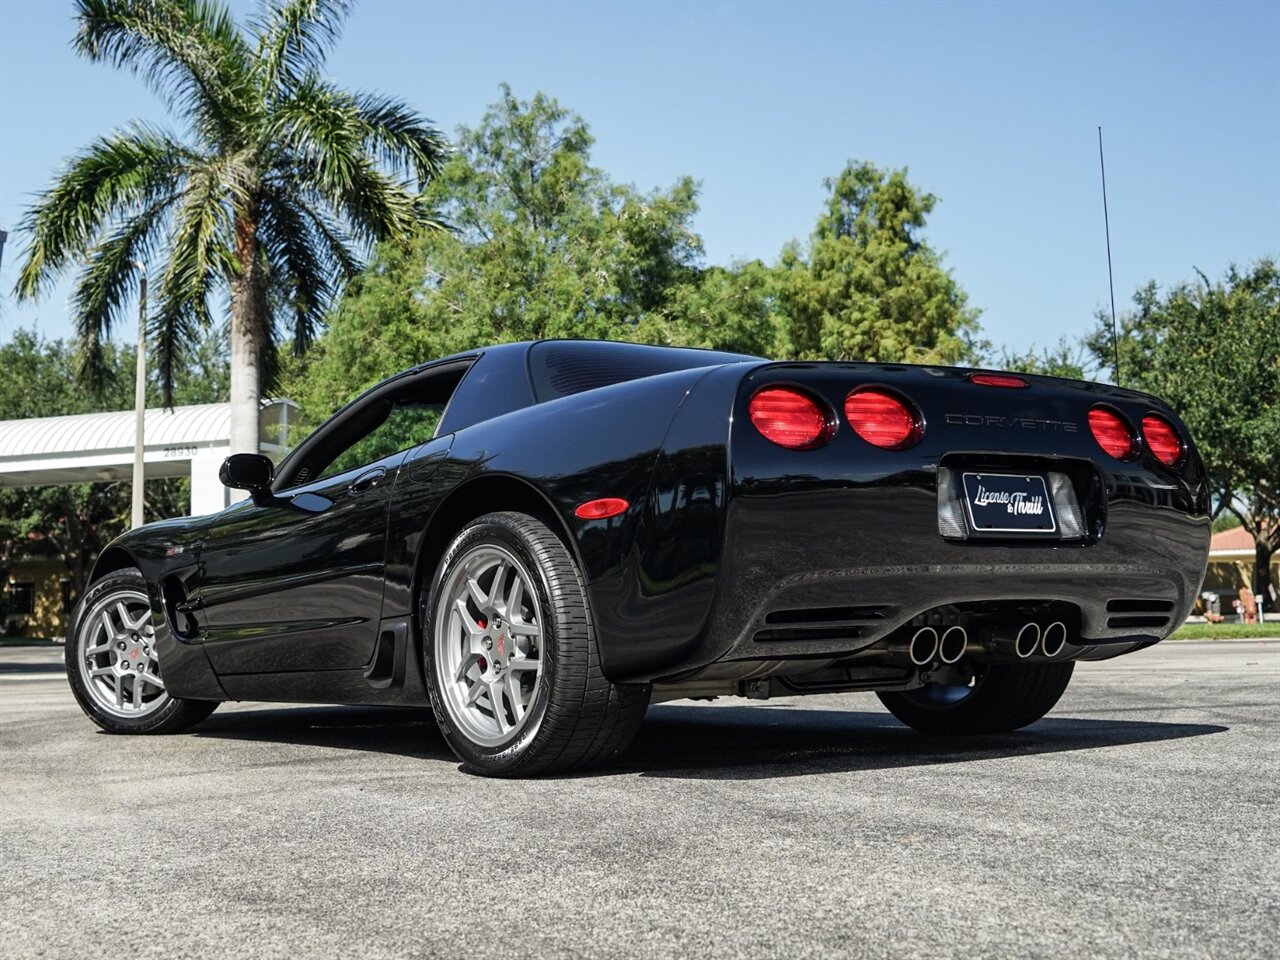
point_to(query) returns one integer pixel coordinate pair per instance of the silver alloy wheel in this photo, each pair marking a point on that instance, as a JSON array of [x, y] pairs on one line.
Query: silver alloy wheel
[[488, 645], [117, 656]]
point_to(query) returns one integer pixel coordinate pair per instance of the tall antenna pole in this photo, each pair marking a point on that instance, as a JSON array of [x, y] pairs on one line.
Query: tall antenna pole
[[1111, 282]]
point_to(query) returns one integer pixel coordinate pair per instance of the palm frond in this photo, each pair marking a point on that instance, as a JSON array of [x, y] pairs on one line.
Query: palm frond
[[302, 280], [338, 242], [190, 51], [323, 138], [116, 176], [294, 36], [199, 257], [317, 112], [106, 282], [378, 207], [400, 138]]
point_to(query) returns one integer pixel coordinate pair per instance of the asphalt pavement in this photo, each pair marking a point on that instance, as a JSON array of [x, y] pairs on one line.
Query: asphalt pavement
[[1138, 820]]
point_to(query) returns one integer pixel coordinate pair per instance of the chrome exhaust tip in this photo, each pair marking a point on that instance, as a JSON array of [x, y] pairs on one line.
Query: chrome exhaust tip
[[952, 645], [923, 646], [1027, 640], [1054, 639]]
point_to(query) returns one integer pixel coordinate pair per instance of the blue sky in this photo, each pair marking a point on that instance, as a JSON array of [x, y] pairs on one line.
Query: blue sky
[[993, 107]]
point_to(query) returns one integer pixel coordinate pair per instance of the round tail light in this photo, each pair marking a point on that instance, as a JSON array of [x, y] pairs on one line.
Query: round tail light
[[883, 419], [1162, 439], [1113, 433], [790, 418]]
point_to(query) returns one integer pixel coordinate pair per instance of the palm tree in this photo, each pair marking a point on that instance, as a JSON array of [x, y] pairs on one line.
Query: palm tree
[[281, 181]]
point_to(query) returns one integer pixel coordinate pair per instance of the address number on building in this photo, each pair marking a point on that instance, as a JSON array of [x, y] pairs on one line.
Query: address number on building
[[179, 453]]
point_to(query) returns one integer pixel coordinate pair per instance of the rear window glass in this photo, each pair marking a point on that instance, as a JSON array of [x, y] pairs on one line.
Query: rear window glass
[[560, 368]]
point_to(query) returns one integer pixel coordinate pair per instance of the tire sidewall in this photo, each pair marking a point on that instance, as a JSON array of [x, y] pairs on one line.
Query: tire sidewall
[[1009, 697], [509, 756]]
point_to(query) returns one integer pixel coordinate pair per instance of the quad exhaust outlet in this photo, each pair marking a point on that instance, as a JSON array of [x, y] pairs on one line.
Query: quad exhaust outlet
[[927, 645], [948, 645], [952, 644], [1021, 641], [923, 646], [1054, 639]]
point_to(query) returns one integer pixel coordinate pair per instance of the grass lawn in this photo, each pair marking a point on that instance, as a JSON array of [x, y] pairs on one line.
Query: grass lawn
[[1226, 631]]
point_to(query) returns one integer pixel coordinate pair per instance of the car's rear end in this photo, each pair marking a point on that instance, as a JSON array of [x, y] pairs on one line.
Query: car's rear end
[[932, 514]]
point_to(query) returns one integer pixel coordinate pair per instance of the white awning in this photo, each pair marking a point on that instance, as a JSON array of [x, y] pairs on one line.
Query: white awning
[[88, 447]]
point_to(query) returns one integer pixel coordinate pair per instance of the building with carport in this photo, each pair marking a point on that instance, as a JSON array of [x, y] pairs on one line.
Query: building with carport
[[188, 441]]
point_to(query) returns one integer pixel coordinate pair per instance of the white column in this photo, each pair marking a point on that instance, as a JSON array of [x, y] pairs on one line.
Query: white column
[[208, 495]]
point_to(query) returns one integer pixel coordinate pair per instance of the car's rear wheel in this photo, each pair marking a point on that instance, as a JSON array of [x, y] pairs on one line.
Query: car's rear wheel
[[112, 663], [999, 697], [512, 663]]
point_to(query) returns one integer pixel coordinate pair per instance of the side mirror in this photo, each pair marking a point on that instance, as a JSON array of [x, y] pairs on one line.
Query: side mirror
[[249, 471]]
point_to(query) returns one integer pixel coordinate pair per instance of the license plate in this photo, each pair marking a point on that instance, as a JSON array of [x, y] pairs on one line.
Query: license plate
[[1008, 503]]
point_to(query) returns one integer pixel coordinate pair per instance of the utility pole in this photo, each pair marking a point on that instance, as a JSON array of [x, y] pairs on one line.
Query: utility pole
[[140, 397]]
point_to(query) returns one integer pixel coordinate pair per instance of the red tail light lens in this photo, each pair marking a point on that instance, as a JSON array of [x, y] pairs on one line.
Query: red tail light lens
[[883, 419], [790, 418], [1162, 439], [1113, 433], [997, 380]]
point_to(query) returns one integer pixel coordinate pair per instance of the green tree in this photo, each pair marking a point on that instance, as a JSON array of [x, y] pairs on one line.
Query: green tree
[[546, 245], [1065, 359], [543, 245], [1212, 351], [731, 308], [280, 180], [869, 287]]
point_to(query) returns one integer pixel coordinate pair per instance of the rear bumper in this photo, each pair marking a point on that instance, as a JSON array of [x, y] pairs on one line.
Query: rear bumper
[[877, 562]]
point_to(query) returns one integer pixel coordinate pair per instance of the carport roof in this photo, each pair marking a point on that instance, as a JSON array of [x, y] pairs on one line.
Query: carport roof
[[99, 446], [84, 432]]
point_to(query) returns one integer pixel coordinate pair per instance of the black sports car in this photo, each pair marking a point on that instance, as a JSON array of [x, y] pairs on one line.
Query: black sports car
[[540, 539]]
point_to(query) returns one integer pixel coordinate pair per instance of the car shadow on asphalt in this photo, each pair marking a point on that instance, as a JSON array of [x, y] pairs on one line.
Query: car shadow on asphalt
[[721, 743], [740, 743], [405, 731]]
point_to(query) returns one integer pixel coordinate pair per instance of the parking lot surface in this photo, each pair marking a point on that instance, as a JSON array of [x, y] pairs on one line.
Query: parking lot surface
[[1138, 819]]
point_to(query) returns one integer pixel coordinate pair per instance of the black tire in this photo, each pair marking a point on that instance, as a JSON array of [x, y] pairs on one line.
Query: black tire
[[173, 715], [1003, 697], [576, 719]]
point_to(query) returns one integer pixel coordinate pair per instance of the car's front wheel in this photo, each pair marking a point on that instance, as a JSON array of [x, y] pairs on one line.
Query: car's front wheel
[[512, 663], [113, 666], [997, 698]]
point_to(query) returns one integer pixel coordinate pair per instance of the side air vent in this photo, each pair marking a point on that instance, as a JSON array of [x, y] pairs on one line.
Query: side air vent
[[1139, 613], [821, 623], [182, 611]]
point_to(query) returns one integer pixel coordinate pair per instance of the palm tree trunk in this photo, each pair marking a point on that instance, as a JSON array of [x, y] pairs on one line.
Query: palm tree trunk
[[250, 322]]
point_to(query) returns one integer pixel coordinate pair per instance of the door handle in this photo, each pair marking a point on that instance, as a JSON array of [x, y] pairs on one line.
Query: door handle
[[366, 481]]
